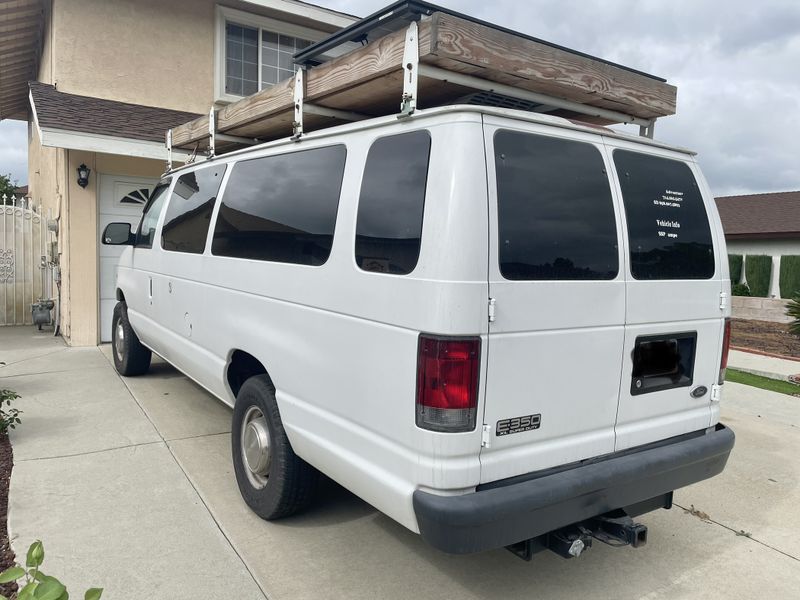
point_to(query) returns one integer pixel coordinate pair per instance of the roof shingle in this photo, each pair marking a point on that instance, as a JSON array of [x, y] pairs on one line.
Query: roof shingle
[[760, 215], [85, 114]]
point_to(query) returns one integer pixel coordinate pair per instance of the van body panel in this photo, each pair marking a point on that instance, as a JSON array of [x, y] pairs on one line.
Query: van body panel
[[555, 349]]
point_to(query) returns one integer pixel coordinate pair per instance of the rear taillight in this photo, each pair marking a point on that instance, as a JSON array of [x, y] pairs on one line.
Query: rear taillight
[[447, 383], [726, 346]]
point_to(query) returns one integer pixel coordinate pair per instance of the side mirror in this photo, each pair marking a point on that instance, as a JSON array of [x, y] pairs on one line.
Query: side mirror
[[118, 234]]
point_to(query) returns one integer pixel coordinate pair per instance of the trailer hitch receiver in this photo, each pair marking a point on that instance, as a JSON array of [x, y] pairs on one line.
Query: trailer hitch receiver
[[616, 529]]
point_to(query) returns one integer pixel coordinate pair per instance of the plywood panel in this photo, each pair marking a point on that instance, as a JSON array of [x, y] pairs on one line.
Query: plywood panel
[[369, 80]]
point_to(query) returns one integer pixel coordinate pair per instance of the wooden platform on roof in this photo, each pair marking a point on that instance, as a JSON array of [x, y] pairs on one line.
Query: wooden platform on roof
[[369, 81]]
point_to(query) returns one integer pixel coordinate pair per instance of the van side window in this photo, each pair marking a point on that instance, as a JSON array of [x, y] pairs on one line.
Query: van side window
[[389, 225], [282, 208], [189, 211], [667, 223], [554, 208], [152, 211]]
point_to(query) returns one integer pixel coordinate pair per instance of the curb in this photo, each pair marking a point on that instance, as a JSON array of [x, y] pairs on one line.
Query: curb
[[762, 353], [767, 374]]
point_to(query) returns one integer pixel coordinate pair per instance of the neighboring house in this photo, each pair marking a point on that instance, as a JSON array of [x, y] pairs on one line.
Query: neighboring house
[[21, 192], [100, 81], [762, 224]]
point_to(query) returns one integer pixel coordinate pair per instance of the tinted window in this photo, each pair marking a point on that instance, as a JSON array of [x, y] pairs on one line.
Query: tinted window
[[189, 211], [554, 207], [392, 199], [281, 208], [147, 226], [667, 223]]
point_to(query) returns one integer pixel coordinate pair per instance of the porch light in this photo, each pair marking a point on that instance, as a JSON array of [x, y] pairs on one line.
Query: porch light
[[83, 175]]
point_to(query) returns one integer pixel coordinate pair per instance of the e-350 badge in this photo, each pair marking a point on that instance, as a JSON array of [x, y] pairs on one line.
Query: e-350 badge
[[519, 424]]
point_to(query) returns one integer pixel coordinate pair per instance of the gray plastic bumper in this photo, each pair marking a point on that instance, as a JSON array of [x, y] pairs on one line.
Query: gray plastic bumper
[[519, 510]]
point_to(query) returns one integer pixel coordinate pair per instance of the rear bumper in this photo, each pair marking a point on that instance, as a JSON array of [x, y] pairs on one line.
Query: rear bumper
[[506, 514]]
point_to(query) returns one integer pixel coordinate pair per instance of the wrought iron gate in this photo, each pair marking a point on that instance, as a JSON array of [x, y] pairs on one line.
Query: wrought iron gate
[[23, 259]]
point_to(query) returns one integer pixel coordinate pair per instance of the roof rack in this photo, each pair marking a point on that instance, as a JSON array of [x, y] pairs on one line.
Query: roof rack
[[421, 64], [398, 14]]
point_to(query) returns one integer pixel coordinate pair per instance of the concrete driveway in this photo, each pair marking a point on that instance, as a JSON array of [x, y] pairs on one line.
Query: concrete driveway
[[129, 483]]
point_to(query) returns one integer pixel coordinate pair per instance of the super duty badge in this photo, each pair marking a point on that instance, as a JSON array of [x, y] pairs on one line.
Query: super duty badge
[[518, 424]]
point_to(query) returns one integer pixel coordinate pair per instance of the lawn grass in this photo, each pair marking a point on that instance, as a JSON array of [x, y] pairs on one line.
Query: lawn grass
[[765, 383]]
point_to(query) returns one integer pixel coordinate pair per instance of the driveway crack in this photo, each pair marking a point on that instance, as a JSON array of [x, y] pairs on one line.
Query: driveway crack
[[739, 532]]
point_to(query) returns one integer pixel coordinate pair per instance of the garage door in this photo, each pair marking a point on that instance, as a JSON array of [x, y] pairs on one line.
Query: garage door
[[121, 199]]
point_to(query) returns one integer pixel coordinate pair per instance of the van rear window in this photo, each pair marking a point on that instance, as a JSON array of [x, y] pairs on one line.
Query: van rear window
[[667, 222], [555, 213], [391, 203], [281, 208]]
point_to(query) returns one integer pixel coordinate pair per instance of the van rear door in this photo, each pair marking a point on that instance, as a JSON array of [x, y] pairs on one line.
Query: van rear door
[[674, 316], [556, 276]]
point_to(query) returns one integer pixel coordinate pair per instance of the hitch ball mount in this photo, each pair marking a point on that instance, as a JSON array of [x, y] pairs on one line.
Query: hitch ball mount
[[616, 529]]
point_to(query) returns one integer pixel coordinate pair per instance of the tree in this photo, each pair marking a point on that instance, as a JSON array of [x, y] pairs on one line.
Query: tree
[[7, 187]]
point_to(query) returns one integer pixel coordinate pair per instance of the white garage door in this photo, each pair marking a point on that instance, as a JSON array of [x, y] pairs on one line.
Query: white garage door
[[121, 199]]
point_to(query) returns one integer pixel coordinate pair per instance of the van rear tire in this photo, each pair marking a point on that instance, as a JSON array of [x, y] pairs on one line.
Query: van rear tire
[[276, 483], [130, 356]]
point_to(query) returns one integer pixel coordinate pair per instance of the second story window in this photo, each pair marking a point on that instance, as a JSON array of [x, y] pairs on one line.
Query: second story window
[[255, 52]]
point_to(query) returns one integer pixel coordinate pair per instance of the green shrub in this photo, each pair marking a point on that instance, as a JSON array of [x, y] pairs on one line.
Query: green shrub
[[793, 310], [735, 267], [35, 585], [790, 276], [9, 417], [740, 289], [757, 269]]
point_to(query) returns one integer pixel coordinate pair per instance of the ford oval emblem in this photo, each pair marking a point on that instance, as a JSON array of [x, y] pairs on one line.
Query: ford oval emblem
[[699, 391]]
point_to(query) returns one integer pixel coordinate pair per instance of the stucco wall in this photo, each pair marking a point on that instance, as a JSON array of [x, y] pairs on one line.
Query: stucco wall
[[46, 186], [45, 74], [53, 183], [151, 52], [81, 290]]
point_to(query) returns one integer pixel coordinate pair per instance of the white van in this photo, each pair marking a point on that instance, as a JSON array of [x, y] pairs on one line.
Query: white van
[[497, 327]]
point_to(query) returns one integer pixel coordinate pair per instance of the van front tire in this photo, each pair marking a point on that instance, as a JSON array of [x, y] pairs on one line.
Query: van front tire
[[273, 480], [130, 356]]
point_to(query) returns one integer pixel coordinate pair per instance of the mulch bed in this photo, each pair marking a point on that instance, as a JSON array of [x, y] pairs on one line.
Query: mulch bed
[[6, 553], [764, 336]]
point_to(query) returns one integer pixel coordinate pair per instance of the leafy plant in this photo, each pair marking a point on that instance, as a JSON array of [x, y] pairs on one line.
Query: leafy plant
[[7, 186], [735, 267], [36, 585], [757, 270], [9, 417], [790, 276], [740, 289], [793, 310]]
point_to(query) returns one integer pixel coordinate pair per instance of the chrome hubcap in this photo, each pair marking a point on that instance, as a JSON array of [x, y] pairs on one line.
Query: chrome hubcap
[[119, 341], [254, 446]]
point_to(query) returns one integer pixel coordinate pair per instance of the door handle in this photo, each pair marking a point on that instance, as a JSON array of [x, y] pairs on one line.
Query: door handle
[[150, 290]]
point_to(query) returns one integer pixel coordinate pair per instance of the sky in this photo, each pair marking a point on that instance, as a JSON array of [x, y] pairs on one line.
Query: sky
[[736, 65]]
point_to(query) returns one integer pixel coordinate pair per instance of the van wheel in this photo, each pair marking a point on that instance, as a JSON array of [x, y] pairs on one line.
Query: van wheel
[[273, 480], [130, 356]]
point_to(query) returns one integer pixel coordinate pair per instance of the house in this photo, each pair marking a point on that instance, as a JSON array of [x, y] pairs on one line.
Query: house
[[99, 82], [767, 224]]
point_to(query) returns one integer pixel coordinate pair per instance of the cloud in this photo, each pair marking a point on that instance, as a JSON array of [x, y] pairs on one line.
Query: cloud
[[735, 65], [14, 150]]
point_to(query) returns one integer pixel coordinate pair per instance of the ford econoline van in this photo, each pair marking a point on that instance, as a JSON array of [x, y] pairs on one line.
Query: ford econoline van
[[499, 328]]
